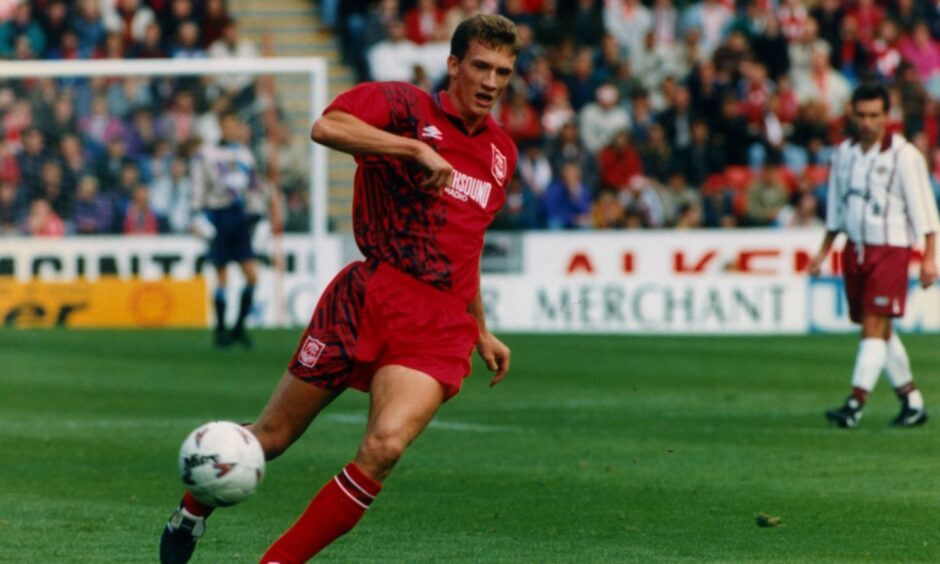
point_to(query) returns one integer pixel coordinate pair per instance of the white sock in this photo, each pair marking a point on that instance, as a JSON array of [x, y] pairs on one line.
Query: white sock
[[898, 369], [898, 365], [869, 362]]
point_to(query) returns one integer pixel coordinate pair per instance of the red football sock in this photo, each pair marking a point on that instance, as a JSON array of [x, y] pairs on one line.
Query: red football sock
[[333, 512], [196, 507], [860, 394]]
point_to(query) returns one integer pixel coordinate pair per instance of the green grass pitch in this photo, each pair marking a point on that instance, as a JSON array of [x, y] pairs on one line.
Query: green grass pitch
[[595, 449]]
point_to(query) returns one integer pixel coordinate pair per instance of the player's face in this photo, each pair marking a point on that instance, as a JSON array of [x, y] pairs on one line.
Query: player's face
[[871, 120], [479, 79]]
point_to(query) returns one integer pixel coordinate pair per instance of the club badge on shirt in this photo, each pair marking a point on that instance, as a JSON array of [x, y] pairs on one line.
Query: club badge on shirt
[[310, 352], [499, 165]]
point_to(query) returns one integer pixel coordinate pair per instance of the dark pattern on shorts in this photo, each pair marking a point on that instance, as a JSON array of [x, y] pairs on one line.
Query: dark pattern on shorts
[[336, 324]]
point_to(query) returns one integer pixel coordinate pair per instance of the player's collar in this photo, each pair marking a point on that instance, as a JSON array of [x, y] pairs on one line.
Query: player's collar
[[442, 101], [886, 143]]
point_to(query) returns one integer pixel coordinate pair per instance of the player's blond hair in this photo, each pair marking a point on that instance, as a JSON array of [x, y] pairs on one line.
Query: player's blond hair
[[491, 30]]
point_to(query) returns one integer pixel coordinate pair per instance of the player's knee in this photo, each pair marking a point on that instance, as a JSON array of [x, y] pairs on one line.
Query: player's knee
[[382, 450]]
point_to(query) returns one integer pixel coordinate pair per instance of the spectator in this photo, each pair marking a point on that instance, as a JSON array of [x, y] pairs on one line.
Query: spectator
[[766, 196], [94, 212], [885, 50], [534, 169], [657, 155], [689, 216], [823, 84], [151, 45], [54, 190], [665, 22], [30, 160], [186, 45], [804, 212], [520, 210], [170, 197], [108, 166], [641, 117], [424, 23], [139, 219], [101, 127], [712, 19], [618, 163], [395, 57], [22, 25], [868, 16], [180, 12], [215, 19], [829, 17], [129, 19], [569, 147], [922, 51], [89, 26], [770, 47], [850, 57], [676, 197], [12, 208], [54, 19], [608, 211], [567, 200], [42, 220], [73, 158], [581, 82], [557, 112], [600, 120], [519, 119], [239, 87], [628, 21], [703, 157]]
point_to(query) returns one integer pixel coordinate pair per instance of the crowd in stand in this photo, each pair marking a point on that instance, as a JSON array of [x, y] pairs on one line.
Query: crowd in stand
[[627, 113], [663, 113], [106, 155]]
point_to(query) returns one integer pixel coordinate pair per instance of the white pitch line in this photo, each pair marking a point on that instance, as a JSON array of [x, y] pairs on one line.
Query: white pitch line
[[359, 419]]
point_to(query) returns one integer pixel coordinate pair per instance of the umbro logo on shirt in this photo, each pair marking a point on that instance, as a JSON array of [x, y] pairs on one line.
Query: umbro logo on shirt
[[432, 132]]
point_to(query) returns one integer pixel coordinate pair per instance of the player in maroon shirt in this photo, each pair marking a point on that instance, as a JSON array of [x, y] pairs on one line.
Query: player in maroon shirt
[[402, 324]]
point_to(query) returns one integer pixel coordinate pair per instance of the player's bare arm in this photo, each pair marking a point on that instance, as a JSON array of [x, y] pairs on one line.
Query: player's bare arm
[[345, 132], [493, 351], [928, 266], [815, 265]]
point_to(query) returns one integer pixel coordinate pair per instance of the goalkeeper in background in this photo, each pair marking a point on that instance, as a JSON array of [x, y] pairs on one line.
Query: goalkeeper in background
[[228, 202]]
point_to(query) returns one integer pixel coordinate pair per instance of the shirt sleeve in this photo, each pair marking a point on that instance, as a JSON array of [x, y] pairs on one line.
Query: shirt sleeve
[[918, 194], [367, 101], [834, 211]]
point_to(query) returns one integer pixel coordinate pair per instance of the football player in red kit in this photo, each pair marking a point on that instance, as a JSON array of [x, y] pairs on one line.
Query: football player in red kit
[[403, 323]]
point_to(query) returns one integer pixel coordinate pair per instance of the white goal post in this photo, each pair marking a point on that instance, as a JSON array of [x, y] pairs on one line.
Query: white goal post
[[314, 67]]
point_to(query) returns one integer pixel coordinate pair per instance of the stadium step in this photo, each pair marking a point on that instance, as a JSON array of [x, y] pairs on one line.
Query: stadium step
[[295, 30]]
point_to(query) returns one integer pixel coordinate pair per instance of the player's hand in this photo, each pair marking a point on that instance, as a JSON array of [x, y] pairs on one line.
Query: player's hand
[[815, 265], [496, 356], [439, 172], [928, 273]]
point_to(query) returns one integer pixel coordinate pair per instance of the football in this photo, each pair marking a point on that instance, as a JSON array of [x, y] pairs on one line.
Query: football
[[221, 463]]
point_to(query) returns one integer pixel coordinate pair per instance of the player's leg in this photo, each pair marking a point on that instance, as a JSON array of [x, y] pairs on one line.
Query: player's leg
[[869, 362], [290, 410], [403, 401], [219, 303], [249, 269], [898, 369]]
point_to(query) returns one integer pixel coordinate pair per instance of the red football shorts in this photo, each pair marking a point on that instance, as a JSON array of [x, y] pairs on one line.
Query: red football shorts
[[878, 285], [372, 315]]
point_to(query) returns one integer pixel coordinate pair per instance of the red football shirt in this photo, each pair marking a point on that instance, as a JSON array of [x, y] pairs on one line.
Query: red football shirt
[[436, 239]]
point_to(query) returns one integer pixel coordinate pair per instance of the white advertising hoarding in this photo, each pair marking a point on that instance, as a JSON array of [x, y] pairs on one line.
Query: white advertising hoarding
[[732, 282]]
